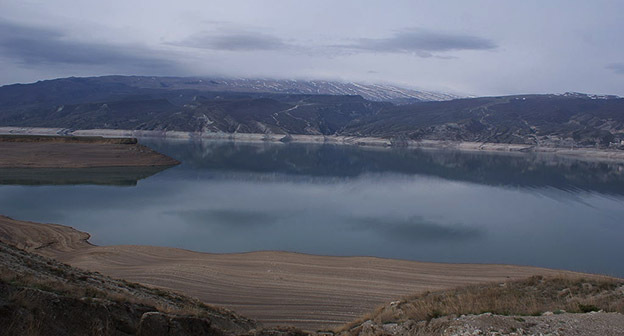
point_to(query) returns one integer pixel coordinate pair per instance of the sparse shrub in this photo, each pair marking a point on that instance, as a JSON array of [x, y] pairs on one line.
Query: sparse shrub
[[586, 308], [532, 296], [434, 314], [58, 271]]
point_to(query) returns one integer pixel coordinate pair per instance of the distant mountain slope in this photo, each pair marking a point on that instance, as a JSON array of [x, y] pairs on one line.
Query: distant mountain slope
[[167, 104], [72, 90], [565, 120], [372, 92], [281, 114]]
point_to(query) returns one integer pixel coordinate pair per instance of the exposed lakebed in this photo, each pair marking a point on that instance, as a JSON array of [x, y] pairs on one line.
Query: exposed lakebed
[[435, 206]]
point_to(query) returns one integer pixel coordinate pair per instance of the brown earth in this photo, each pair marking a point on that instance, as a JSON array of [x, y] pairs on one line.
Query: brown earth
[[41, 296], [277, 288], [76, 152]]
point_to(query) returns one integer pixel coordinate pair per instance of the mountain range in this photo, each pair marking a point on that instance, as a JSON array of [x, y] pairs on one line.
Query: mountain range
[[312, 107]]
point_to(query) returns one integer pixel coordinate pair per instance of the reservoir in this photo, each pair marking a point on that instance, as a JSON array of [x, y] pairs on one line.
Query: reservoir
[[425, 205]]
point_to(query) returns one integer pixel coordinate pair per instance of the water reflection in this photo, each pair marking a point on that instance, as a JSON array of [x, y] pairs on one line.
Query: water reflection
[[505, 169], [414, 229], [117, 176], [229, 218]]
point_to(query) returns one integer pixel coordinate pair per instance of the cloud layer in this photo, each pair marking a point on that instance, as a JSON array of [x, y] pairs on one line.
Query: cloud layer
[[480, 47], [37, 46], [618, 68], [422, 42], [233, 41]]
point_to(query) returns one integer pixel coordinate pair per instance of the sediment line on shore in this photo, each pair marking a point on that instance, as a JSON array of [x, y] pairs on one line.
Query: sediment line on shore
[[577, 152]]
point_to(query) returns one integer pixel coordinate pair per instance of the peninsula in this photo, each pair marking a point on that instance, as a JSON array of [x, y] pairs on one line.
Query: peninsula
[[28, 151]]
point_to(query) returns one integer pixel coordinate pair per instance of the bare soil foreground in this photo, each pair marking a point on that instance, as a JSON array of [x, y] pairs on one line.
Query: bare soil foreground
[[277, 288], [23, 151]]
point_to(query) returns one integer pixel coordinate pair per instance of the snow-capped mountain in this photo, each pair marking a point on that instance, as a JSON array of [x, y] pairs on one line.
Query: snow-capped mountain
[[373, 92]]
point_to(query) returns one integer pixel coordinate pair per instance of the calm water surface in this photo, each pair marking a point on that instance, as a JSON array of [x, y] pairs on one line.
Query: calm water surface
[[340, 200]]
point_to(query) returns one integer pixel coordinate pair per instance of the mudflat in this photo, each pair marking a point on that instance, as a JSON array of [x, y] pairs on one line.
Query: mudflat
[[76, 152], [277, 288]]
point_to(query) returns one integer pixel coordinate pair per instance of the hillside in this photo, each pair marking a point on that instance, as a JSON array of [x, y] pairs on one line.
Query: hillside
[[172, 104], [80, 90], [560, 305], [560, 120], [40, 296], [372, 92]]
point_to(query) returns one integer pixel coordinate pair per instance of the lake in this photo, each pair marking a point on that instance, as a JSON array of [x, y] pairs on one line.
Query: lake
[[425, 205]]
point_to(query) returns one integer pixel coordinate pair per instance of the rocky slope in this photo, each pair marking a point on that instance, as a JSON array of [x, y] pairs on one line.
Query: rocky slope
[[125, 84], [543, 120], [40, 296], [535, 306], [372, 92], [487, 324]]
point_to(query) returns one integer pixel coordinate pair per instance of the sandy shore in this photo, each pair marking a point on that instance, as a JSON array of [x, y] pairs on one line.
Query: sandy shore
[[578, 153], [276, 288], [61, 152]]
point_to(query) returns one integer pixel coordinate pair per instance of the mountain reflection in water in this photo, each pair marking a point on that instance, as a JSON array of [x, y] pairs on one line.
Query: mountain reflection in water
[[116, 176], [531, 170]]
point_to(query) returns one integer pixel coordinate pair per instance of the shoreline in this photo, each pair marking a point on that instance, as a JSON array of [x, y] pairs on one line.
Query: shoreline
[[276, 288], [28, 151], [578, 153]]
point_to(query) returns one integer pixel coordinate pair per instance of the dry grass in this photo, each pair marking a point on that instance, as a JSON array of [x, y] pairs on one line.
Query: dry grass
[[24, 270], [160, 300], [38, 289], [532, 296]]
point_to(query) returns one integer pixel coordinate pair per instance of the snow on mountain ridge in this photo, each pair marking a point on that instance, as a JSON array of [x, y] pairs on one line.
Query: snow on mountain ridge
[[373, 92]]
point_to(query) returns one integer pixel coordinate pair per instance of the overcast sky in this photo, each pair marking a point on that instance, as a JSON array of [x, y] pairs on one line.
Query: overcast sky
[[466, 47]]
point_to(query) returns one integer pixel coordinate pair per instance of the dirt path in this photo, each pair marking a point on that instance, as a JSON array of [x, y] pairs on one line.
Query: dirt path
[[307, 291]]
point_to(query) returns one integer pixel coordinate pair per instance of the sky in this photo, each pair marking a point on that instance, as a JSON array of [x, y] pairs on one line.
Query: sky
[[462, 47]]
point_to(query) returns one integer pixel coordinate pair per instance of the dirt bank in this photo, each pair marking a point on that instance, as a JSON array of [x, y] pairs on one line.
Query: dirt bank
[[277, 288], [76, 152]]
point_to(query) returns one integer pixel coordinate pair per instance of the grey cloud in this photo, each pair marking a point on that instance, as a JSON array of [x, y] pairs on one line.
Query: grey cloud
[[234, 41], [618, 68], [39, 46], [421, 42]]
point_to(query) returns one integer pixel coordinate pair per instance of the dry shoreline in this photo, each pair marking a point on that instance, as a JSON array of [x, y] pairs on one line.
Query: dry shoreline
[[578, 153], [30, 151], [277, 288]]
